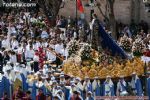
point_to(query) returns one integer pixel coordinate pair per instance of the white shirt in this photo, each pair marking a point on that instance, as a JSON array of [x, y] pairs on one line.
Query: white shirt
[[45, 44], [21, 21], [29, 54], [4, 43], [19, 26], [62, 36], [58, 48], [20, 50], [33, 19], [44, 34], [50, 56], [52, 46], [13, 30], [36, 45], [13, 59], [28, 47], [14, 44], [24, 71], [36, 58], [1, 77], [65, 53]]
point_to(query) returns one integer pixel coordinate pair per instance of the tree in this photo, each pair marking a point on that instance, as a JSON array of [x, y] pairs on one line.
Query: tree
[[109, 15], [50, 8]]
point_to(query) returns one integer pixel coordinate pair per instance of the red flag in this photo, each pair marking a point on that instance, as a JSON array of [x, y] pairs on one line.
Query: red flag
[[80, 7]]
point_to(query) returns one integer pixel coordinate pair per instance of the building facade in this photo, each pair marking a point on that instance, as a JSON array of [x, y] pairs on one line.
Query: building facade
[[125, 10]]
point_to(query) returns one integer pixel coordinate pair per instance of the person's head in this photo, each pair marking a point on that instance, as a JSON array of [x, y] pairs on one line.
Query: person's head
[[40, 91], [19, 88], [134, 75], [87, 79], [94, 16], [121, 78], [54, 83], [96, 78], [148, 73], [55, 98], [62, 84], [89, 94], [31, 47], [108, 78], [62, 77], [60, 92], [19, 44], [77, 80], [75, 94], [28, 93]]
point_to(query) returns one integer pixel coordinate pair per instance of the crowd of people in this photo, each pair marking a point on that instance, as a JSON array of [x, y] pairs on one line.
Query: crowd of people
[[32, 55]]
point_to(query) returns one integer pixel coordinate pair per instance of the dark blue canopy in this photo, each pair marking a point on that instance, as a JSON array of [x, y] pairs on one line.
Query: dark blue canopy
[[108, 42]]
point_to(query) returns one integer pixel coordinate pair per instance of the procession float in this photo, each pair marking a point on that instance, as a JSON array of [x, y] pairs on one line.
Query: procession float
[[87, 62], [116, 59]]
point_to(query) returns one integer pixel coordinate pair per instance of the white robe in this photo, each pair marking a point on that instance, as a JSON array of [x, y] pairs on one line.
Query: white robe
[[80, 86], [94, 84], [85, 85], [10, 76]]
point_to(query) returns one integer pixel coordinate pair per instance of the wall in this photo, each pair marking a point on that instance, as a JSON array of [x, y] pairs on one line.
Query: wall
[[123, 10]]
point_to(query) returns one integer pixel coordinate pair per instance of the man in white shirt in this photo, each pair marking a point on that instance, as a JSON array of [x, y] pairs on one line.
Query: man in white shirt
[[13, 30], [59, 47], [13, 57], [44, 34], [14, 44], [50, 56], [29, 54]]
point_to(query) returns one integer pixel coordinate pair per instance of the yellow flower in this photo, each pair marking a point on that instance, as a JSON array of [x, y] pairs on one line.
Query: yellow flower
[[128, 71], [115, 73], [103, 72], [85, 70], [92, 73]]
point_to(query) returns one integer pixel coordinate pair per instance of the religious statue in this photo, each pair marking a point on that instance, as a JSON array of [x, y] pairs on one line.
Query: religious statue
[[95, 37]]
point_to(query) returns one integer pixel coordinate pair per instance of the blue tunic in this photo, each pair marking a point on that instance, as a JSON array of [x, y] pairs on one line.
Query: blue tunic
[[24, 83], [111, 90], [33, 94], [7, 86], [89, 88], [1, 87], [67, 93], [138, 87], [44, 89], [98, 90], [148, 87]]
